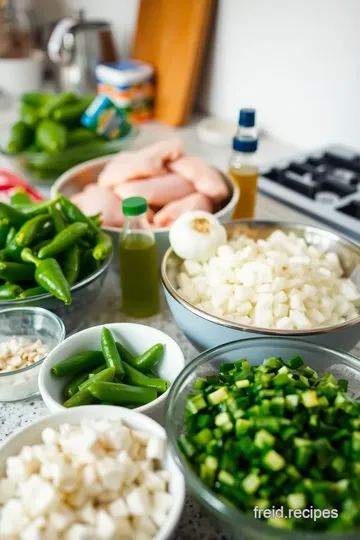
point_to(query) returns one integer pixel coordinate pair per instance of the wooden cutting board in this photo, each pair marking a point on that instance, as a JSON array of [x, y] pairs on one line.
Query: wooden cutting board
[[172, 35]]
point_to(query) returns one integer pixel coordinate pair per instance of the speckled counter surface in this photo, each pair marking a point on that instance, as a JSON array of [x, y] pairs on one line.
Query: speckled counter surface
[[193, 525]]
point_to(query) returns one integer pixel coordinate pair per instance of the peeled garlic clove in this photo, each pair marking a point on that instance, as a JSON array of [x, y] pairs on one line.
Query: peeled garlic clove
[[196, 235]]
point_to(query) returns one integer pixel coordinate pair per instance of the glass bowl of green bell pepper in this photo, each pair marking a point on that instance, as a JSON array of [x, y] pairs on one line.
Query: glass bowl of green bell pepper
[[270, 423]]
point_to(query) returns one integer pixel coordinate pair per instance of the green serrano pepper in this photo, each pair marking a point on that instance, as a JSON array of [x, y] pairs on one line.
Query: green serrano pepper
[[82, 397], [13, 271], [149, 358], [71, 264], [20, 198], [106, 375], [111, 354], [77, 363], [73, 112], [21, 137], [103, 248], [63, 240], [49, 275], [9, 291], [122, 394], [30, 230], [74, 214], [136, 378], [34, 209], [58, 100], [11, 248], [58, 221], [125, 354], [73, 387], [33, 291], [4, 231], [15, 217]]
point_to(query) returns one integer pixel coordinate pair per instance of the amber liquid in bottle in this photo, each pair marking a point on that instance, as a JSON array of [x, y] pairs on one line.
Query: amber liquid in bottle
[[246, 178]]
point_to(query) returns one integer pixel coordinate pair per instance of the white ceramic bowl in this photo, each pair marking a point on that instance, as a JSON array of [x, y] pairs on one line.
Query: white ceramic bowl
[[75, 179], [137, 338], [32, 435]]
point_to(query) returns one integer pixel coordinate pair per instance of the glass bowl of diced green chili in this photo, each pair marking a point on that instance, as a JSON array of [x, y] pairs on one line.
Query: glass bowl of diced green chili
[[270, 424]]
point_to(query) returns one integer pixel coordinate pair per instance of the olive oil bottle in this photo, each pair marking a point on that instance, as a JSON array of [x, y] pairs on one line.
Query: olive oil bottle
[[139, 276]]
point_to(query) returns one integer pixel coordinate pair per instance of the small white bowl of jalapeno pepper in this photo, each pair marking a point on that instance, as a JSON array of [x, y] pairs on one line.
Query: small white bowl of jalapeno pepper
[[124, 364]]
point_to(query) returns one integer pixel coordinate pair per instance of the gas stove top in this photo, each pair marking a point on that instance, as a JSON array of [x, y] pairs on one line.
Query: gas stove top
[[324, 184]]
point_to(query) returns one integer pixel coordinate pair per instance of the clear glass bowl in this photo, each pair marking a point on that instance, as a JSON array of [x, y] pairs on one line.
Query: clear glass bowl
[[84, 295], [239, 524], [32, 323], [44, 168]]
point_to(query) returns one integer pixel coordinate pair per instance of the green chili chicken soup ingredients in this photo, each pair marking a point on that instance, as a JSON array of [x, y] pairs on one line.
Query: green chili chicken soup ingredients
[[19, 352], [99, 479], [112, 375], [46, 247], [277, 435]]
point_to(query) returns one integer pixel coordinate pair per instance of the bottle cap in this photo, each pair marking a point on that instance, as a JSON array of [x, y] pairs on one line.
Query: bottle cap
[[247, 117], [134, 206], [245, 144]]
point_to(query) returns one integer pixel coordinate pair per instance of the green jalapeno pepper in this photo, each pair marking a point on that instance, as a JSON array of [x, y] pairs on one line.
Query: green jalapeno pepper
[[33, 291], [121, 394], [111, 353], [136, 378], [4, 231], [74, 214], [103, 248], [72, 112], [58, 100], [15, 217], [149, 358], [77, 363], [71, 264], [35, 209], [11, 247], [20, 198], [49, 275], [30, 230], [21, 137], [9, 291], [63, 240], [58, 221], [80, 135], [13, 271], [88, 264], [29, 114], [51, 136], [37, 99]]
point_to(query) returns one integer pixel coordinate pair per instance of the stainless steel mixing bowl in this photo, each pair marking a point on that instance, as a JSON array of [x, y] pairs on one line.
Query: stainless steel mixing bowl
[[205, 331]]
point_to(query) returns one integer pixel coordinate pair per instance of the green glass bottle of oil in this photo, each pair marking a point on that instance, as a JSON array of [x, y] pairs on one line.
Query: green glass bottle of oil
[[139, 276]]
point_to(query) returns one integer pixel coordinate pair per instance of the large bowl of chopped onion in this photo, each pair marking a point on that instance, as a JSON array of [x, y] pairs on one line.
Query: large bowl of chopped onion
[[268, 279]]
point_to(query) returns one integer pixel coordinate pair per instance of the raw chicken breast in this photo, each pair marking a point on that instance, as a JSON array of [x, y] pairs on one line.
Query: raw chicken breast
[[170, 212], [158, 191], [94, 199], [204, 177], [149, 161]]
